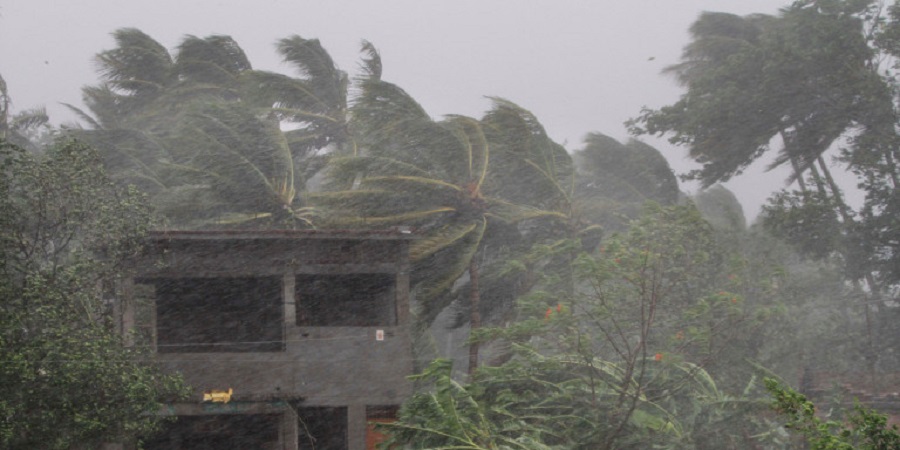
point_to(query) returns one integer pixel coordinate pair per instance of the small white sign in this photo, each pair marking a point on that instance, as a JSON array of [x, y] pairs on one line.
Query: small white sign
[[379, 335]]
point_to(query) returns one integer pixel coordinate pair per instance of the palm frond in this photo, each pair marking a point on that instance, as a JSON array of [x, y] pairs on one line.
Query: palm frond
[[408, 182], [271, 89], [29, 119], [83, 116], [216, 59], [475, 144], [344, 171], [316, 66], [463, 242], [440, 239], [511, 212], [371, 61], [394, 219], [139, 64]]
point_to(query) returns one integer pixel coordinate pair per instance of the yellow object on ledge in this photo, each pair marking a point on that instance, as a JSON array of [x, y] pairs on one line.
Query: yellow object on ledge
[[217, 396]]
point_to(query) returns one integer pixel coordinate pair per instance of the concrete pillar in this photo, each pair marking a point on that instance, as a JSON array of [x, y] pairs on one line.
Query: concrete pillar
[[290, 429], [403, 285], [402, 298], [289, 299], [127, 311], [356, 427]]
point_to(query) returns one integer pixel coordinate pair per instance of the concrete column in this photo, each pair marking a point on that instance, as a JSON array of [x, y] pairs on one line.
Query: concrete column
[[289, 299], [290, 439], [127, 310], [402, 298], [356, 427], [403, 285]]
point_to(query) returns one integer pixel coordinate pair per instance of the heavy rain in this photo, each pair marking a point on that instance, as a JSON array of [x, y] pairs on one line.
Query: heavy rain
[[434, 225]]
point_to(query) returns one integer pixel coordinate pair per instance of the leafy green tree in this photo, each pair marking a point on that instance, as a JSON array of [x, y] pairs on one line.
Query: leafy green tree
[[803, 76], [615, 180], [608, 366], [67, 379], [864, 430], [808, 79], [801, 314]]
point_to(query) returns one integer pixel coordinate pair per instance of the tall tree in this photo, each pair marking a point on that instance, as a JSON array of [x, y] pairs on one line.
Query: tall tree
[[603, 367], [316, 101], [615, 180], [807, 79], [436, 175], [193, 128], [803, 77], [67, 379]]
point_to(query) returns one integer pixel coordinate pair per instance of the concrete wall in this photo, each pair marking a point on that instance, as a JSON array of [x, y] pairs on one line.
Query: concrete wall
[[318, 366]]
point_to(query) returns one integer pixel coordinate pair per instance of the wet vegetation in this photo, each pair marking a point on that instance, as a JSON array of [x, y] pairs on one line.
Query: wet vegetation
[[607, 309]]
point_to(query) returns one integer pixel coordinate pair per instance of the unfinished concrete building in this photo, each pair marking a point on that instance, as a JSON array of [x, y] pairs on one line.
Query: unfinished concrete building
[[289, 339]]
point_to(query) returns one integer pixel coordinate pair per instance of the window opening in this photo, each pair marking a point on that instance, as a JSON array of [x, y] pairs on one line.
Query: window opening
[[349, 300], [239, 314]]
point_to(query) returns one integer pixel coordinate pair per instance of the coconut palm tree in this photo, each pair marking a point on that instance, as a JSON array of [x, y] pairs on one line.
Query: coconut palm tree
[[315, 102], [202, 131], [435, 175], [15, 128]]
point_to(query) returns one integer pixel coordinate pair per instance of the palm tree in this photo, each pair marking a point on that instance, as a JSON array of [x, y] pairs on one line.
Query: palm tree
[[615, 180], [435, 175], [15, 129], [144, 95], [316, 100], [202, 131]]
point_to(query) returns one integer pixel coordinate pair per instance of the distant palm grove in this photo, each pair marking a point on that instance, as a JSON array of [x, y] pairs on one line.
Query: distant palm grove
[[607, 309]]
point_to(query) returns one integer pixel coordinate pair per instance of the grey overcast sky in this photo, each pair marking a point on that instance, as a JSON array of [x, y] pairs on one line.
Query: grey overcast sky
[[581, 66]]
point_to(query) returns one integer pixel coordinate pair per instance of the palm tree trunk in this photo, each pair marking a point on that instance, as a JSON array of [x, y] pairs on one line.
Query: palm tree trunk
[[871, 353], [4, 109], [798, 173], [475, 304], [835, 192], [817, 178]]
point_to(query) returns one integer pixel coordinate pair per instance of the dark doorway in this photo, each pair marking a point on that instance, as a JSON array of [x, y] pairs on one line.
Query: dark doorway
[[322, 428], [219, 432]]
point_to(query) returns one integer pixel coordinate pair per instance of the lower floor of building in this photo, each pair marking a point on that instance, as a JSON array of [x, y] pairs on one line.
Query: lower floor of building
[[278, 425]]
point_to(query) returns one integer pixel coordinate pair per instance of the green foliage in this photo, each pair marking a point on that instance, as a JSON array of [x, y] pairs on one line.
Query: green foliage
[[808, 80], [456, 416], [441, 177], [807, 220], [863, 430], [633, 171], [67, 379], [721, 208], [19, 129], [750, 79], [202, 132], [608, 364]]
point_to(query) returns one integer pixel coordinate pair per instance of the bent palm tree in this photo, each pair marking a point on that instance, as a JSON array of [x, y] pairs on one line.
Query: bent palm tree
[[201, 131], [15, 129], [435, 175]]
